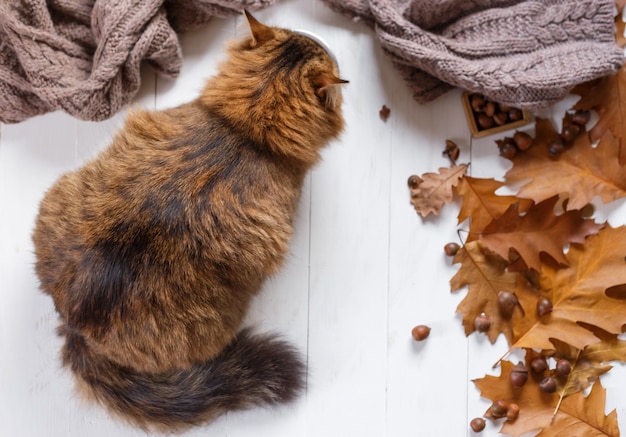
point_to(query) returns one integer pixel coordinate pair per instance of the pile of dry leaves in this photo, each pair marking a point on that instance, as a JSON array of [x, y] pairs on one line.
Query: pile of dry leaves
[[566, 308]]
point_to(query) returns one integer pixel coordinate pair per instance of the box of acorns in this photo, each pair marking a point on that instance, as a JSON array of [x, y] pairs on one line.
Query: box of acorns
[[487, 118]]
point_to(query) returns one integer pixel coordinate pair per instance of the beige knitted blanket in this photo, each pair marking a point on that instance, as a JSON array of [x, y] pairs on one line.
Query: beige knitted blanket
[[83, 56], [526, 53]]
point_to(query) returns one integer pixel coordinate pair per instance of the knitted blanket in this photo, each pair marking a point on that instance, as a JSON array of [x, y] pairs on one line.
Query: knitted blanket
[[83, 56], [525, 53]]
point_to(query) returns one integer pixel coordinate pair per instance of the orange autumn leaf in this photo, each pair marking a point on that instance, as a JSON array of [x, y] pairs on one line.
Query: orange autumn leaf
[[577, 415], [435, 189], [581, 295], [481, 204], [485, 275], [608, 98], [538, 230], [587, 364], [581, 171]]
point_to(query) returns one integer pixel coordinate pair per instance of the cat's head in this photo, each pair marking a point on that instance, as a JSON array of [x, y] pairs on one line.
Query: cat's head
[[298, 52], [279, 85]]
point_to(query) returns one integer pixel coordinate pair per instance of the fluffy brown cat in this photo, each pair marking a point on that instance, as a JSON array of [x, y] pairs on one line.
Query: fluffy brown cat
[[152, 251]]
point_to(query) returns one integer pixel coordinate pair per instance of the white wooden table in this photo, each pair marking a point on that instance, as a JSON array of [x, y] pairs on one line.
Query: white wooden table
[[364, 268]]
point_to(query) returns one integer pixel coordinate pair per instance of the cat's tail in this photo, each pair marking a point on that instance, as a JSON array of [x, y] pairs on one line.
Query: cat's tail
[[254, 370]]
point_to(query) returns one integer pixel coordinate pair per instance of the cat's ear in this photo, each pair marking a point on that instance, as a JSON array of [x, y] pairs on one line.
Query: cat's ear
[[260, 32], [328, 86]]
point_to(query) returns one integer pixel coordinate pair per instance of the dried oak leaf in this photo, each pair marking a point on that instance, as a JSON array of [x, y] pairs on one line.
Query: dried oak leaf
[[435, 189], [538, 230], [587, 365], [582, 171], [481, 204], [608, 99], [588, 293], [577, 415], [485, 275]]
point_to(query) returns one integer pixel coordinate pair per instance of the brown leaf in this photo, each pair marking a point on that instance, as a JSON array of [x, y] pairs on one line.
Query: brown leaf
[[579, 295], [481, 204], [577, 415], [485, 275], [582, 171], [585, 368], [435, 189], [537, 231], [608, 98]]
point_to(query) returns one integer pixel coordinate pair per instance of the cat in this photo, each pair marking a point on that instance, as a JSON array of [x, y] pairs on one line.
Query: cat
[[152, 251]]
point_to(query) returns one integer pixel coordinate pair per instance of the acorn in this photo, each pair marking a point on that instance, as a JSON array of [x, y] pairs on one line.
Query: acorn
[[490, 109], [482, 322], [519, 375], [507, 148], [555, 148], [515, 114], [539, 365], [498, 409], [500, 118], [451, 249], [414, 181], [581, 117], [477, 102], [544, 306], [563, 368], [570, 132], [420, 332], [523, 141], [548, 384], [512, 412], [477, 424], [484, 121], [506, 303]]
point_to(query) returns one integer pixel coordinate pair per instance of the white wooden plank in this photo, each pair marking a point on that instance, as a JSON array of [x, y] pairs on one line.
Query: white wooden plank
[[423, 377], [349, 255]]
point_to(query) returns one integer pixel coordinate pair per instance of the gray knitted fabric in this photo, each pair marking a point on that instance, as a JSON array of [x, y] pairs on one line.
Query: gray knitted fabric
[[528, 54], [83, 56]]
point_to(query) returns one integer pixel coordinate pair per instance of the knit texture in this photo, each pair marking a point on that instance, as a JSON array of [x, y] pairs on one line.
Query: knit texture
[[84, 56], [529, 54]]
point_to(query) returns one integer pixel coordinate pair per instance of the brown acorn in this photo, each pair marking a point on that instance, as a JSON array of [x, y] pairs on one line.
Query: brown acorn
[[420, 332], [451, 249], [484, 121], [498, 409], [477, 424], [500, 118], [506, 303], [512, 412], [544, 306], [523, 141], [519, 375], [555, 148], [548, 384], [570, 132], [581, 117], [482, 322], [515, 114], [414, 181], [563, 368], [507, 148], [539, 365]]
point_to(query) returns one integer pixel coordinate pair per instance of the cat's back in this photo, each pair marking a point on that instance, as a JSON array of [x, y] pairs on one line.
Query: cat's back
[[174, 185]]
